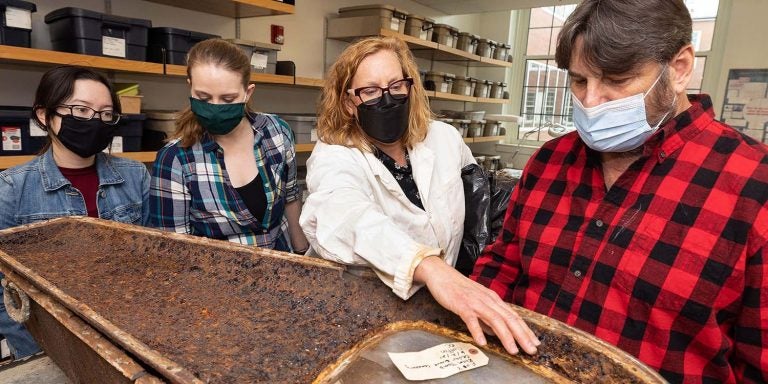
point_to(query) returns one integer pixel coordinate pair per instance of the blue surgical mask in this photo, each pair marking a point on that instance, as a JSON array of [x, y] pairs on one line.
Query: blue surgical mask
[[618, 125]]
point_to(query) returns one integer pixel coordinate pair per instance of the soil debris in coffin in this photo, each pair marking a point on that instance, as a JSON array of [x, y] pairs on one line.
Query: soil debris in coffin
[[237, 315]]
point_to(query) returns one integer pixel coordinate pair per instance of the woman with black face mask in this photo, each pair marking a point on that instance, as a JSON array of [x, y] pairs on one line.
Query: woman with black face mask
[[386, 190], [228, 173], [79, 111]]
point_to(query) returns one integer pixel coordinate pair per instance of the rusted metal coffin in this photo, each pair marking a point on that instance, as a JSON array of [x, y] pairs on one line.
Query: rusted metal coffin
[[119, 303]]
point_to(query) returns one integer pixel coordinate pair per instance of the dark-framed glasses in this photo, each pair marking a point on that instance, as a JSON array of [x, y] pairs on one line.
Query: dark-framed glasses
[[370, 95], [84, 113]]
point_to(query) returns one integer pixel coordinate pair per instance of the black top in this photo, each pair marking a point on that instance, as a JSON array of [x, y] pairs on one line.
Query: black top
[[254, 197], [403, 174]]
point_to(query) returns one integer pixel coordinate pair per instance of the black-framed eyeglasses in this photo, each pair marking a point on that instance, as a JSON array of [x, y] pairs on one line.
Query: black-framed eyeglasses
[[399, 89], [84, 113]]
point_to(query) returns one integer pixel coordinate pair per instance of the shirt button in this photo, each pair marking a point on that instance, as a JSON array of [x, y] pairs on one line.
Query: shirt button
[[577, 273], [599, 223]]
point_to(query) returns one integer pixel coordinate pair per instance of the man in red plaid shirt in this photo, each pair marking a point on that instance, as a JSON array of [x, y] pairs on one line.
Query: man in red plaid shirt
[[648, 225]]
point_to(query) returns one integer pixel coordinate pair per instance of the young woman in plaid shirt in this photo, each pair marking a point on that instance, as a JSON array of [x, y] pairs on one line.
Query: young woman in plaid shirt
[[648, 225], [228, 173]]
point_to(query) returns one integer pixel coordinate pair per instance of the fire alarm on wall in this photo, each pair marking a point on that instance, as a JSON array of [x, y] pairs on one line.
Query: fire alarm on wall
[[278, 36]]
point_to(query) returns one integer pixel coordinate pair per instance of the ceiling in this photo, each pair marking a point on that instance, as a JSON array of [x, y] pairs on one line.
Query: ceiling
[[461, 7]]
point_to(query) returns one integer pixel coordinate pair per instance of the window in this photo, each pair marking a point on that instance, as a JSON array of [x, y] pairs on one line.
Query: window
[[546, 92], [704, 15], [545, 88]]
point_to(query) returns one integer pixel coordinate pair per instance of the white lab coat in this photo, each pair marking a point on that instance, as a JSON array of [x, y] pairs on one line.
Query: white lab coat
[[357, 214]]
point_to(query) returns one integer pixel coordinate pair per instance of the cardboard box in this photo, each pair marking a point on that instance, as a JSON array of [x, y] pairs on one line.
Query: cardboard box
[[130, 104]]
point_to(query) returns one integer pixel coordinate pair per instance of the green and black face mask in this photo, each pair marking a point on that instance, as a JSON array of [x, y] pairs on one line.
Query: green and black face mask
[[217, 119]]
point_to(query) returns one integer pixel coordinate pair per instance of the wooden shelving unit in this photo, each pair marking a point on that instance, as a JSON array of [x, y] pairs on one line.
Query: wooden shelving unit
[[471, 99], [144, 157], [10, 161], [43, 57], [233, 8], [431, 50]]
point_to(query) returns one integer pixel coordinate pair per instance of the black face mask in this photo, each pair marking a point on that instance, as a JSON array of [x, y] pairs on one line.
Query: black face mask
[[387, 120], [85, 138]]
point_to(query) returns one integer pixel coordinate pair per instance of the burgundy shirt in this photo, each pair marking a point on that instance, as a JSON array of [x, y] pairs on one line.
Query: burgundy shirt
[[85, 180], [669, 264]]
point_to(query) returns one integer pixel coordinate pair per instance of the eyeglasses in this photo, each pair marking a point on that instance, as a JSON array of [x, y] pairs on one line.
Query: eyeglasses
[[399, 90], [83, 113]]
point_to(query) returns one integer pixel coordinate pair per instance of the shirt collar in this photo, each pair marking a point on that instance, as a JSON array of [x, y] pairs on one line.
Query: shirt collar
[[683, 127], [53, 179]]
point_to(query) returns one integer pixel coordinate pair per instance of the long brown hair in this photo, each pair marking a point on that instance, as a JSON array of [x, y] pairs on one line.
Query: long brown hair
[[215, 52], [336, 125]]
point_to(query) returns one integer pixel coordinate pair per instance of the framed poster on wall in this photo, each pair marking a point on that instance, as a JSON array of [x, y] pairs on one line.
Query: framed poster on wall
[[746, 102]]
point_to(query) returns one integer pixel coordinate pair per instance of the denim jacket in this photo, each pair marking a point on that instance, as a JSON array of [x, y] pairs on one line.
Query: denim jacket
[[36, 191]]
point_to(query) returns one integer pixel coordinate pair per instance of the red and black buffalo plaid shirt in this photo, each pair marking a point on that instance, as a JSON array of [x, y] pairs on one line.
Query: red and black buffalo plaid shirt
[[668, 265]]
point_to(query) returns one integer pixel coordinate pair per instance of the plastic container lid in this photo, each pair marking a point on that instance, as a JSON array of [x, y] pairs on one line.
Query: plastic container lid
[[267, 46], [62, 13], [249, 43], [459, 77], [417, 17]]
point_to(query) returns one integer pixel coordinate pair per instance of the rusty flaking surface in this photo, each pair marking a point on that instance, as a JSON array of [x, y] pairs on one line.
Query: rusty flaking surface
[[226, 316], [238, 314]]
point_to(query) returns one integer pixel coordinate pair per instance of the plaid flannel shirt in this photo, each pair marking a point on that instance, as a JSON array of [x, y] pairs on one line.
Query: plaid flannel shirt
[[669, 264], [191, 192]]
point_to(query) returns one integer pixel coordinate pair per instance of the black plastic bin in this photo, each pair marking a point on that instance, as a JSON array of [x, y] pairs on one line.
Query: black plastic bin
[[130, 128], [92, 33], [18, 138], [16, 27], [175, 42]]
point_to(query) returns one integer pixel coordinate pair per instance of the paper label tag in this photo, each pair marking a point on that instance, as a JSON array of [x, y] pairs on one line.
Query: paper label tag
[[313, 135], [467, 91], [117, 145], [35, 130], [394, 24], [11, 138], [18, 18], [259, 61], [112, 46], [439, 361], [444, 87], [423, 34]]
